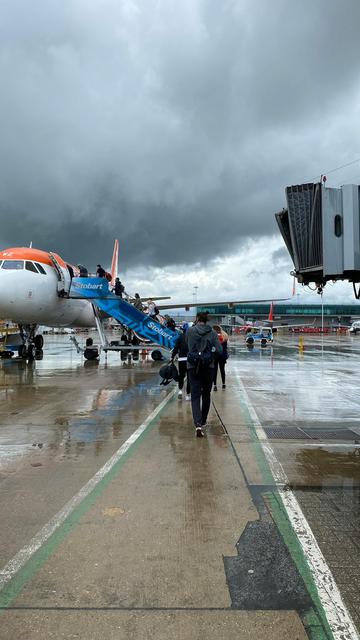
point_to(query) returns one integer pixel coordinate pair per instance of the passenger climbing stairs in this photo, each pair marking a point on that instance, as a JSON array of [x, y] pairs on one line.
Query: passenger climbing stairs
[[96, 291]]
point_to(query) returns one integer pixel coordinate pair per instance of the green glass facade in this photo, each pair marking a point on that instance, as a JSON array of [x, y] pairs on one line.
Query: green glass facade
[[336, 310]]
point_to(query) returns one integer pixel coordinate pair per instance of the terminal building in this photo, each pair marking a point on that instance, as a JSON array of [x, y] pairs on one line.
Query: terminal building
[[333, 315]]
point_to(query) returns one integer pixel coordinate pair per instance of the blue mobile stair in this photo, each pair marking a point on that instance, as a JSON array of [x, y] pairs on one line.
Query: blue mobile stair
[[96, 291]]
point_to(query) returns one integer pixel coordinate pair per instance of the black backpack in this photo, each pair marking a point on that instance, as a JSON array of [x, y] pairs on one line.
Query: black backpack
[[201, 355]]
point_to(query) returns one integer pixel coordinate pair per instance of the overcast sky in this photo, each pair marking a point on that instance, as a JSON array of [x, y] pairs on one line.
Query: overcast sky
[[175, 127]]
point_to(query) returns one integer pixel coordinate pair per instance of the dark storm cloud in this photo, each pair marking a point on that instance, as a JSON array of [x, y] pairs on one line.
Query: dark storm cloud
[[172, 126]]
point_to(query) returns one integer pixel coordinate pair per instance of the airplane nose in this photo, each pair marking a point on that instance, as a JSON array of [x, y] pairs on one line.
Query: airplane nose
[[8, 294]]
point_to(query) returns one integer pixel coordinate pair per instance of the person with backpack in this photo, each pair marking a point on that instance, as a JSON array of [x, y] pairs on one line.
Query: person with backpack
[[220, 361], [100, 272], [119, 288], [137, 303], [83, 272], [181, 349], [152, 309], [203, 344], [171, 324]]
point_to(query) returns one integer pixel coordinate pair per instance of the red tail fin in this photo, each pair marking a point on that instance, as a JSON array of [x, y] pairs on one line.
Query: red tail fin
[[271, 312], [115, 262]]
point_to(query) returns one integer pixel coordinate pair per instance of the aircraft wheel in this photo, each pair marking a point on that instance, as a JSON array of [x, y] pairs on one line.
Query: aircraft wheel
[[250, 341], [157, 355], [30, 352], [22, 351], [263, 342], [39, 354], [39, 341]]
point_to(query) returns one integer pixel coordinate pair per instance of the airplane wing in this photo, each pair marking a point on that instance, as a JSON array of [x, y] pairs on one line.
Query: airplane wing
[[228, 303], [289, 326], [145, 299]]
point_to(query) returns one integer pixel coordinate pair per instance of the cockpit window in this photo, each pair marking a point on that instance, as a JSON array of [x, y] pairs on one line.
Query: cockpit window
[[13, 264], [29, 266], [41, 268]]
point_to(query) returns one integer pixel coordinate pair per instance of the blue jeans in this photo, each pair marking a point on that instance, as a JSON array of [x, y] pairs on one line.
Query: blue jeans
[[200, 385]]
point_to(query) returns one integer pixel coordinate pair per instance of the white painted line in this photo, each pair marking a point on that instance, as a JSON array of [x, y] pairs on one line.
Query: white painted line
[[339, 619], [328, 445], [22, 557]]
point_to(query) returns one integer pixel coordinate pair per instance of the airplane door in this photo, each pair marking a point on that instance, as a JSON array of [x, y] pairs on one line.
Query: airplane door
[[64, 278]]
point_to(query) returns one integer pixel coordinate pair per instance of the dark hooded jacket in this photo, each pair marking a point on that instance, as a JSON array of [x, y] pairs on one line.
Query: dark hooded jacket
[[197, 337], [181, 347]]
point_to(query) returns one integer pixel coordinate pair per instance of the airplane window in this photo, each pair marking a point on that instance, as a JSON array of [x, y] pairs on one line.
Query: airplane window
[[13, 264], [29, 266], [41, 268]]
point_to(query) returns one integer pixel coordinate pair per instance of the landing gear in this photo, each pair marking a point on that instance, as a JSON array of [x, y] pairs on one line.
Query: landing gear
[[27, 352], [157, 355], [39, 342], [32, 345]]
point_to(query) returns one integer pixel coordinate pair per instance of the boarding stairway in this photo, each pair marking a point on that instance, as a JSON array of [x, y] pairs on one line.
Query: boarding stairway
[[96, 291]]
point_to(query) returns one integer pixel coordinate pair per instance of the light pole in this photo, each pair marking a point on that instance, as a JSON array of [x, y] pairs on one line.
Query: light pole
[[195, 298]]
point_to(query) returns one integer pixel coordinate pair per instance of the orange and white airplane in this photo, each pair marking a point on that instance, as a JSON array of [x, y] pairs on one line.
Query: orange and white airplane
[[34, 288], [34, 291]]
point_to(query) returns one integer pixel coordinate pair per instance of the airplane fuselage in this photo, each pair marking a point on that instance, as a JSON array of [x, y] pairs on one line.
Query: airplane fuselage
[[29, 291]]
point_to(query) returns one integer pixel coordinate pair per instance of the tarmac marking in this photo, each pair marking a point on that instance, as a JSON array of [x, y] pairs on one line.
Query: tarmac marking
[[338, 617], [36, 544], [328, 445]]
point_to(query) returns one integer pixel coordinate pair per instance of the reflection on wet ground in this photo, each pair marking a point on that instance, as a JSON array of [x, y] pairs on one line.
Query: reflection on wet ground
[[62, 419], [309, 406]]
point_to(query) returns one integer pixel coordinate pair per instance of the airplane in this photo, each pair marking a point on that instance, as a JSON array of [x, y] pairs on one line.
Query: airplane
[[35, 290]]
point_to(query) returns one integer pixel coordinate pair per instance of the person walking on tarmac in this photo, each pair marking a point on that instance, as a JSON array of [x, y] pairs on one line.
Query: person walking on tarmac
[[220, 361], [100, 272], [181, 349], [203, 344]]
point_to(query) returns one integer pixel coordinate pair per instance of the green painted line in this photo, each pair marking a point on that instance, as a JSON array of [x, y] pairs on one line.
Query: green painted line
[[13, 589], [317, 616], [314, 620]]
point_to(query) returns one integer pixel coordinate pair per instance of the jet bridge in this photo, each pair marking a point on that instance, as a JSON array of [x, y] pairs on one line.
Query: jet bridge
[[321, 230], [96, 291]]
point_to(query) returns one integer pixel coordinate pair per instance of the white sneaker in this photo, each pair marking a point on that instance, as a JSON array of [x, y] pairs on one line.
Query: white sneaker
[[188, 397], [180, 394]]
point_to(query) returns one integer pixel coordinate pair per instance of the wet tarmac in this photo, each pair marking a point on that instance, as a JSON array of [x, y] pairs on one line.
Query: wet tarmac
[[116, 522]]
